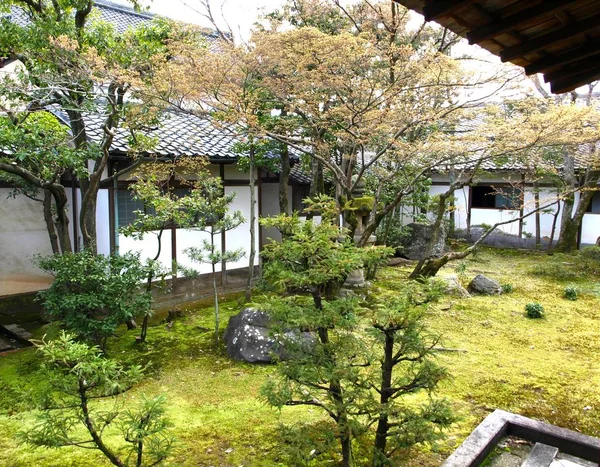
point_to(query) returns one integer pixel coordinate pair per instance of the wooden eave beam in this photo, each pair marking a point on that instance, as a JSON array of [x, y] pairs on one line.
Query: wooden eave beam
[[577, 68], [513, 22], [567, 84], [547, 40], [438, 8], [589, 49]]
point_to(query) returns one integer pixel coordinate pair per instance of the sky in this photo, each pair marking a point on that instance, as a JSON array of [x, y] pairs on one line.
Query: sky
[[241, 14]]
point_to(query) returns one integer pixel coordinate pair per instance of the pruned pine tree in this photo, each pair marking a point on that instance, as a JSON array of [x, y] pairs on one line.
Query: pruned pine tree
[[307, 270], [80, 377], [209, 207], [403, 349], [163, 208]]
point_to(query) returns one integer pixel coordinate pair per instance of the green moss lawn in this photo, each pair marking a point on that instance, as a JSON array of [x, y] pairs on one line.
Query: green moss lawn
[[546, 369]]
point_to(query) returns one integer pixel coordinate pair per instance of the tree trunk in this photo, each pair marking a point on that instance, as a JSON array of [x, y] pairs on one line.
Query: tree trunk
[[571, 222], [144, 330], [83, 403], [49, 220], [284, 180], [252, 255], [554, 221], [381, 435], [215, 290], [538, 227], [62, 218], [87, 213]]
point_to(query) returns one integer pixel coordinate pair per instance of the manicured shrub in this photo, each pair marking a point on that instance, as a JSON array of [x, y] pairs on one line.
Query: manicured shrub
[[93, 294], [571, 293], [534, 310]]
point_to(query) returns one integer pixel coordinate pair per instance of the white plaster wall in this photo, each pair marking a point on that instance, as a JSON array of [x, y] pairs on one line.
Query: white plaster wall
[[461, 204], [231, 172], [148, 246], [103, 222], [491, 216], [23, 234], [590, 228], [546, 218], [270, 207], [187, 238], [240, 236]]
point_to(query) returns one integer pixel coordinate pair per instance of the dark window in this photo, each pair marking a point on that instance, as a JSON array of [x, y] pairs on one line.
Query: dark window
[[126, 207], [485, 196], [301, 192], [594, 206]]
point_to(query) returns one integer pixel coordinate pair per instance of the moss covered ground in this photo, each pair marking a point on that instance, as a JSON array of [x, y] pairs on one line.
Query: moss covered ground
[[546, 369]]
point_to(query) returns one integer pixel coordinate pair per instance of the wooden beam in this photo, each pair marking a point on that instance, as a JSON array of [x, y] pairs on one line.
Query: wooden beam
[[514, 21], [547, 40], [568, 84], [589, 49], [438, 8], [574, 69]]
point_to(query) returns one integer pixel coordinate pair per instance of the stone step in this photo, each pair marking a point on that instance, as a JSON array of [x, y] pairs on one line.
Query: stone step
[[18, 330], [541, 455]]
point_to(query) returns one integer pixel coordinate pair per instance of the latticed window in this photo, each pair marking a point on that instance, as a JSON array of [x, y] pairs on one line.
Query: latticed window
[[127, 206]]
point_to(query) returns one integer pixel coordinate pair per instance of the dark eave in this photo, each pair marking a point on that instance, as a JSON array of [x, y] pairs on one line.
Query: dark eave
[[559, 38]]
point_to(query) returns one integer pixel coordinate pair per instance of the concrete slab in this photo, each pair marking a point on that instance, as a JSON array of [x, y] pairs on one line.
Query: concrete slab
[[541, 455], [566, 460], [18, 284]]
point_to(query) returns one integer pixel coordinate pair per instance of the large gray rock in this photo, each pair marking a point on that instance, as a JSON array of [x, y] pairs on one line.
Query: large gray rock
[[248, 338], [483, 285], [414, 245]]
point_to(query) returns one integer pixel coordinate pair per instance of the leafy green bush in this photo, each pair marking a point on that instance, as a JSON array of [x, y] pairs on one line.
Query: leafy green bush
[[507, 288], [93, 294], [534, 310], [571, 292]]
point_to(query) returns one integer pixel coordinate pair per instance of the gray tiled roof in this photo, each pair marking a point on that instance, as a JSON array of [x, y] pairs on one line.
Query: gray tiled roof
[[177, 135], [122, 17]]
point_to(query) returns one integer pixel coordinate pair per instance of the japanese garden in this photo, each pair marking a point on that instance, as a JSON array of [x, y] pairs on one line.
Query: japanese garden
[[342, 237]]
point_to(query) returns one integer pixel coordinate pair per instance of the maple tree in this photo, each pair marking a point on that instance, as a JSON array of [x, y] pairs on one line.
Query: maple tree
[[77, 66]]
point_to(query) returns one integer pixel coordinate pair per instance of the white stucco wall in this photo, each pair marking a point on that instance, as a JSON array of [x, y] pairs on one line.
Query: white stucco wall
[[148, 247], [270, 207], [193, 238], [236, 238], [590, 230], [23, 234], [547, 196], [240, 236], [103, 222], [231, 172]]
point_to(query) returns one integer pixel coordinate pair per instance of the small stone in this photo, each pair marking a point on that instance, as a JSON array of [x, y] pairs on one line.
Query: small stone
[[228, 450]]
